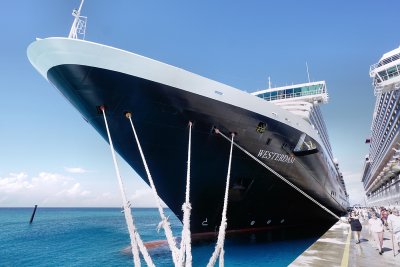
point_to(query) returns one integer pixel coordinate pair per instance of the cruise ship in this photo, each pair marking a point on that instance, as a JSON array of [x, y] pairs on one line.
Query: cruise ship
[[381, 169], [282, 174]]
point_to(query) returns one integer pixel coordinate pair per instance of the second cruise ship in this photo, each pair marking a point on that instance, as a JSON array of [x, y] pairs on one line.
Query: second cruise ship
[[381, 169]]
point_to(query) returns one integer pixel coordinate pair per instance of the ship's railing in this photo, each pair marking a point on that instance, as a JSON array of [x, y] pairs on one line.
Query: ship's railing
[[384, 62], [279, 95], [81, 28], [386, 74], [380, 77], [78, 28], [377, 89]]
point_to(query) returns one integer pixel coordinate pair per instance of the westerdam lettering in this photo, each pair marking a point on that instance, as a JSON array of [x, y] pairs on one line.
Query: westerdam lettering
[[265, 154]]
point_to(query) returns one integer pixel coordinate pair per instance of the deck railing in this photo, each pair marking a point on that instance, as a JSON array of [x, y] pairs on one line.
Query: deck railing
[[279, 96], [384, 62]]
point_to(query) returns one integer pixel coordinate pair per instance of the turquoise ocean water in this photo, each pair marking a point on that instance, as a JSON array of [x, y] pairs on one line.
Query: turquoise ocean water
[[97, 237]]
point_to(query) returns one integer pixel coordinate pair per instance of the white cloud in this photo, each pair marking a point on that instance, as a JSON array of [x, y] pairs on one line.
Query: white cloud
[[50, 178], [75, 170], [144, 198], [20, 175], [140, 193], [74, 190], [54, 189], [49, 189], [14, 183]]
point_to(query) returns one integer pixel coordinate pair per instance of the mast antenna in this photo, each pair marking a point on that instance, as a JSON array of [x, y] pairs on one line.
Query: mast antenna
[[79, 24], [308, 73], [269, 82]]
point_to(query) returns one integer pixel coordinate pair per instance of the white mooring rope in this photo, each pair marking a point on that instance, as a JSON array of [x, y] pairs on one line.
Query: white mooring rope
[[281, 177], [185, 253], [164, 220], [183, 257], [133, 234], [219, 248]]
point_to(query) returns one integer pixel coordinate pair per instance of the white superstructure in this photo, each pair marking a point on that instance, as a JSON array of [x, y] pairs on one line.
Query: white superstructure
[[302, 100], [386, 73], [381, 169]]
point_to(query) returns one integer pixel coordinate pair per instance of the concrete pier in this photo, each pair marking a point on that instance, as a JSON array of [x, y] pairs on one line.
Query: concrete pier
[[337, 248]]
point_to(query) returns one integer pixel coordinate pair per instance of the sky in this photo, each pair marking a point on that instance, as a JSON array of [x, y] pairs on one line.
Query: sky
[[51, 157]]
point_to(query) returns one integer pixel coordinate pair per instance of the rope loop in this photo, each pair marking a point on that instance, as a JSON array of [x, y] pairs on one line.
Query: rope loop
[[136, 242], [186, 207], [219, 248], [164, 222]]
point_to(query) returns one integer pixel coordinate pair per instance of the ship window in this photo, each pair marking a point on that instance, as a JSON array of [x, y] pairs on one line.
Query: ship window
[[391, 70], [289, 91]]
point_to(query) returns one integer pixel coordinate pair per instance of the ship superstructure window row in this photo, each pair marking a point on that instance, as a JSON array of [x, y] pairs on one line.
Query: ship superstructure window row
[[382, 124], [316, 119], [293, 92], [383, 149], [387, 74], [384, 129], [386, 61]]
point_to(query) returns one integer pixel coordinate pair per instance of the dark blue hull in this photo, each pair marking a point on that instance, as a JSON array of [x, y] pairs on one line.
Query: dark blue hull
[[257, 198]]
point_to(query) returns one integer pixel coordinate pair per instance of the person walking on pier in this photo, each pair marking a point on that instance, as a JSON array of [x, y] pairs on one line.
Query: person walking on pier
[[384, 216], [365, 214], [376, 228], [355, 226], [394, 223]]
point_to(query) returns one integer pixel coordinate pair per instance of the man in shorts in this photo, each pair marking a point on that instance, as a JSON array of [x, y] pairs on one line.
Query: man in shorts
[[394, 223]]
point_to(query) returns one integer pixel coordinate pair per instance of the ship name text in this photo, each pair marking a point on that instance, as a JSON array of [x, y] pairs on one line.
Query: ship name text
[[265, 154]]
